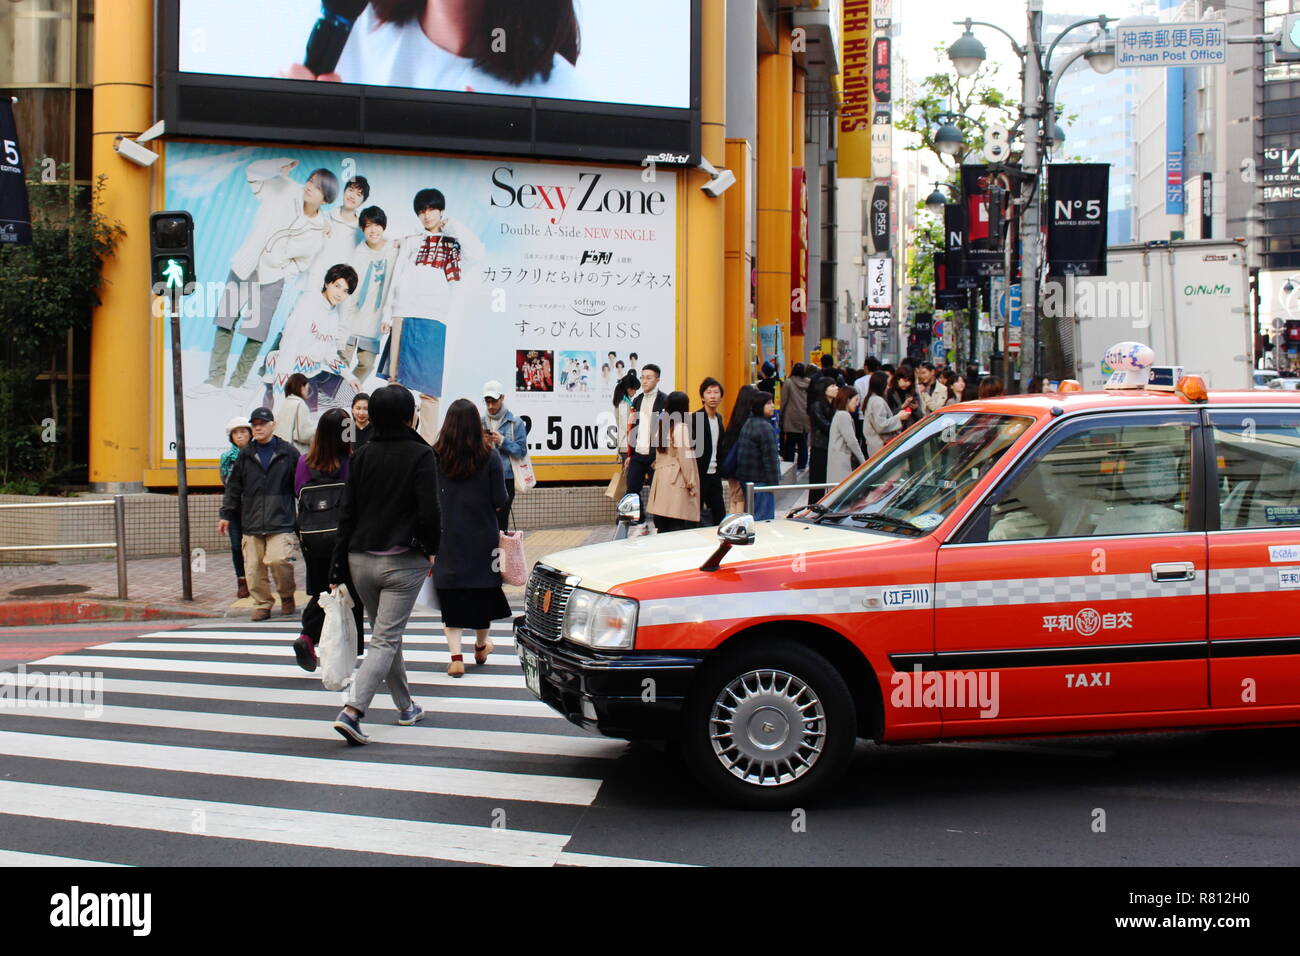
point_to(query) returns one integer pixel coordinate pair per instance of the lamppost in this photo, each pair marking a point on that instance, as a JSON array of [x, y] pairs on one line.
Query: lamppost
[[1038, 129]]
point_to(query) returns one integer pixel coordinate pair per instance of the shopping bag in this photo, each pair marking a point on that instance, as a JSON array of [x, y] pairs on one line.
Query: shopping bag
[[338, 639], [617, 486], [428, 597], [514, 566], [525, 477]]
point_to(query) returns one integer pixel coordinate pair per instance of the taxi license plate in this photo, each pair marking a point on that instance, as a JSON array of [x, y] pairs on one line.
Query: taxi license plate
[[532, 670]]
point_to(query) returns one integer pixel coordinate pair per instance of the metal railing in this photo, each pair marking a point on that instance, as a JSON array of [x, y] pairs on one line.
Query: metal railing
[[752, 489], [118, 504]]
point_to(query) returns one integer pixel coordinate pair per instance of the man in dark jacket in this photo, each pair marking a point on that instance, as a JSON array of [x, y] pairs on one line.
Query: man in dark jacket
[[259, 493], [643, 436], [707, 427]]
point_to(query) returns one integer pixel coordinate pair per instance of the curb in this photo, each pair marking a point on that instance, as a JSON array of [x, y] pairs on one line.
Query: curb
[[71, 611]]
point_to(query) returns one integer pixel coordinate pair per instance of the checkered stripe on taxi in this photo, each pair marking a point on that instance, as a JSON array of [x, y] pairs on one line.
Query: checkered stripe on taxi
[[1084, 587], [1248, 580], [804, 602]]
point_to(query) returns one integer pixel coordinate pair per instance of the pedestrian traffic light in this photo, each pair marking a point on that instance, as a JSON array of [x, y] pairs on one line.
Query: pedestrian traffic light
[[1287, 47], [171, 253]]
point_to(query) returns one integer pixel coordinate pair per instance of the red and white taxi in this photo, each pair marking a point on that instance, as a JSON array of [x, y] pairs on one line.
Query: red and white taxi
[[1036, 564]]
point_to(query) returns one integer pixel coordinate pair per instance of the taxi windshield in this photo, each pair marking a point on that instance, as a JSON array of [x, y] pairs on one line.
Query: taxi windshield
[[913, 486]]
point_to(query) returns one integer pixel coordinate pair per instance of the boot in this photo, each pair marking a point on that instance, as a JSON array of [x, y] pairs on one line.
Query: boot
[[241, 587]]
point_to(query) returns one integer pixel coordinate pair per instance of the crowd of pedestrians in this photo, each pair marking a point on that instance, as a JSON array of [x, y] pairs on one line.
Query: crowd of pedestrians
[[367, 505]]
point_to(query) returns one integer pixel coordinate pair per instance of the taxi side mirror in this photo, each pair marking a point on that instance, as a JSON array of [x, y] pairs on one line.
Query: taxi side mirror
[[629, 507], [735, 529]]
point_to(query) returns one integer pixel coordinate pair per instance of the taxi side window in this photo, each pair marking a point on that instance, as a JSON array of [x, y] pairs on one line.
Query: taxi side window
[[1258, 456], [1105, 479]]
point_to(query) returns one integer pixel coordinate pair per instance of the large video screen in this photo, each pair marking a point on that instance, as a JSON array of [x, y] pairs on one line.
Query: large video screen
[[356, 269], [608, 51], [604, 80]]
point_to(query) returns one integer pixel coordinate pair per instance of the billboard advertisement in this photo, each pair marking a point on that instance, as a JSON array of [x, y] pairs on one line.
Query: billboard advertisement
[[855, 108], [360, 269], [594, 52]]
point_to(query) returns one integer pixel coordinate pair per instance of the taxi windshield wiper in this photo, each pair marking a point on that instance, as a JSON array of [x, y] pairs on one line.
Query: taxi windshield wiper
[[817, 508], [884, 519]]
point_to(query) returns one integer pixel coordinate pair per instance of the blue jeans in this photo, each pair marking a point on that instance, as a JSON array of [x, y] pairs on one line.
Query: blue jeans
[[764, 505]]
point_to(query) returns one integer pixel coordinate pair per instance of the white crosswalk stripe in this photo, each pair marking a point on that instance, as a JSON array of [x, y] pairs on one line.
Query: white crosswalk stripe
[[216, 723]]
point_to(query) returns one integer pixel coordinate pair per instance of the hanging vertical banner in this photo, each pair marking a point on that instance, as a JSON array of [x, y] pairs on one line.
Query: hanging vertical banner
[[1175, 204], [855, 106], [878, 219], [15, 214], [986, 226], [798, 251], [1076, 220], [1207, 205], [954, 244]]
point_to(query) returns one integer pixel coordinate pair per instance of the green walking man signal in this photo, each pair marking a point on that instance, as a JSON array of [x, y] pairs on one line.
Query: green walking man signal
[[171, 248]]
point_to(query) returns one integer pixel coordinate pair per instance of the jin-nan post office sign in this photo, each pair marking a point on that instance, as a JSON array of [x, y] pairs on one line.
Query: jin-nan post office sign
[[1172, 44]]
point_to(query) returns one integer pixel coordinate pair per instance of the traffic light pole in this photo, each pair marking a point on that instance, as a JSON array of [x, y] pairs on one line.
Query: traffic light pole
[[174, 293]]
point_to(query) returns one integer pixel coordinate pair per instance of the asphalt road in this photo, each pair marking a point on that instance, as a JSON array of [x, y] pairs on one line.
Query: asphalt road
[[209, 738]]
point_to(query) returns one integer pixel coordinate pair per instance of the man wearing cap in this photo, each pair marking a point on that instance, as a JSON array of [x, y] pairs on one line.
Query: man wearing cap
[[508, 434], [259, 495]]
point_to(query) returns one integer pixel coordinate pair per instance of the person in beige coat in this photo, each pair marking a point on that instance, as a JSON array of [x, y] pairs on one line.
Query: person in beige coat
[[675, 491], [292, 417], [843, 454], [879, 424]]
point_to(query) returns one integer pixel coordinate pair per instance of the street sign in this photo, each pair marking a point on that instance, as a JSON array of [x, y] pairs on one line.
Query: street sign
[[1172, 44]]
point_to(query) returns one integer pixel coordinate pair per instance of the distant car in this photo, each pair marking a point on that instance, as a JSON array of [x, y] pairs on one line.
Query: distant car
[[1285, 384], [1264, 377]]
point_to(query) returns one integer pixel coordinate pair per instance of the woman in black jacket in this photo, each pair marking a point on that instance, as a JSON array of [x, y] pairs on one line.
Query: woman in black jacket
[[471, 489], [389, 528], [820, 414], [740, 413]]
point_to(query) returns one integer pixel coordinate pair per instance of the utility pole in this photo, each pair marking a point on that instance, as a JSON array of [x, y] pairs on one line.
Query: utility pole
[[1035, 128]]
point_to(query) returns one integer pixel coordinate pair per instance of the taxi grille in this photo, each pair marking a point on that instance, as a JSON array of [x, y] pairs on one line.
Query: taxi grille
[[546, 623]]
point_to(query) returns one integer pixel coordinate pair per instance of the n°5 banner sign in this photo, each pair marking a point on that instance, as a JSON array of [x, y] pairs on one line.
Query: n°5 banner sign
[[15, 214], [1076, 218]]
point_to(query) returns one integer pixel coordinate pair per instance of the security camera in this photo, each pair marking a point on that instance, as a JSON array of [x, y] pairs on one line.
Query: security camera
[[132, 151], [720, 180]]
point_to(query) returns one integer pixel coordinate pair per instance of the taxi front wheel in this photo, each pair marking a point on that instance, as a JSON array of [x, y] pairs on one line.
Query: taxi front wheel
[[768, 725]]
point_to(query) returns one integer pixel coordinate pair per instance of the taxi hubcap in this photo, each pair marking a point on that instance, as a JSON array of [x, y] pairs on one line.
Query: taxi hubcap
[[767, 727]]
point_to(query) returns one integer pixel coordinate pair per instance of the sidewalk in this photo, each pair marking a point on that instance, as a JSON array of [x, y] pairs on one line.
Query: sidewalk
[[46, 594]]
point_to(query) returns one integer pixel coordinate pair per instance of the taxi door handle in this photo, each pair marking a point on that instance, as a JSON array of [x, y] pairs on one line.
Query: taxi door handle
[[1173, 571]]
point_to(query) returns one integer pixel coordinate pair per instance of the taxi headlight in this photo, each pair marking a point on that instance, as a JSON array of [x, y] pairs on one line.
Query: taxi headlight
[[600, 620]]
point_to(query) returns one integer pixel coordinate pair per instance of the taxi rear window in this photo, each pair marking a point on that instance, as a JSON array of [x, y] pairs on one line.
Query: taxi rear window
[[910, 487]]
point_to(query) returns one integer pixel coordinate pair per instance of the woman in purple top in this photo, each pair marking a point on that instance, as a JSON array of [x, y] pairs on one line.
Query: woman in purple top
[[325, 464]]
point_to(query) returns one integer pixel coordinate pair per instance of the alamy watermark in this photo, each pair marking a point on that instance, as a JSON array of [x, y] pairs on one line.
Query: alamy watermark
[[22, 689]]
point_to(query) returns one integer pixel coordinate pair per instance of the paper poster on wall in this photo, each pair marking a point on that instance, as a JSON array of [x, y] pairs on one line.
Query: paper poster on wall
[[440, 274]]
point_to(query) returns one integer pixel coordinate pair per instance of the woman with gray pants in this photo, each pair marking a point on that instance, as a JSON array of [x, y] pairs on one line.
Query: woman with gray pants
[[389, 528]]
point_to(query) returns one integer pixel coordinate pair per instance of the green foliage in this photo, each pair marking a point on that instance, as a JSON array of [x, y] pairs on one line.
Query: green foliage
[[47, 290]]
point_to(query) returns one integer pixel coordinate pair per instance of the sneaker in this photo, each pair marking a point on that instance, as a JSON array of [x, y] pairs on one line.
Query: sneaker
[[409, 716], [261, 614], [350, 728], [481, 652], [305, 652]]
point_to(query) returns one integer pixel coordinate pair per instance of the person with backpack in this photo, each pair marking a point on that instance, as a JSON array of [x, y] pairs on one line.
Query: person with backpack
[[389, 530], [318, 484], [259, 495]]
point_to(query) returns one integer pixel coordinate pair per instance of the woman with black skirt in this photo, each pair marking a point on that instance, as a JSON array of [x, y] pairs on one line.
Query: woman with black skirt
[[467, 576]]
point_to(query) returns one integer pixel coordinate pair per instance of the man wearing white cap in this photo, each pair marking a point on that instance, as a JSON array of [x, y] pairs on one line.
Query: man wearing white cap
[[508, 434]]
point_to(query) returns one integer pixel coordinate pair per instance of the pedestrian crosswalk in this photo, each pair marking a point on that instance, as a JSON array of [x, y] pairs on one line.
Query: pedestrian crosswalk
[[208, 745]]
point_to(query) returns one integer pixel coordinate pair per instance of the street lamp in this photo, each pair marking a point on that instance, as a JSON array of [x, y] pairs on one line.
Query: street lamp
[[936, 201], [1058, 137], [948, 139], [967, 53], [1101, 53]]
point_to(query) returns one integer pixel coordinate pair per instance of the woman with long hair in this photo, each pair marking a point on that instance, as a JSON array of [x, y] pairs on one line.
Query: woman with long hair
[[740, 413], [844, 452], [955, 384], [292, 416], [675, 492], [757, 457], [820, 395], [880, 423], [389, 528], [471, 489], [325, 464], [991, 387], [624, 391], [901, 392]]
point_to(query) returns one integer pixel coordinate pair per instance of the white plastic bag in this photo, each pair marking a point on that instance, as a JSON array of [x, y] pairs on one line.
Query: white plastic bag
[[338, 639], [428, 597]]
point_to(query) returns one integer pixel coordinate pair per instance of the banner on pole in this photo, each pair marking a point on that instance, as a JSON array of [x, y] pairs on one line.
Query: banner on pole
[[1076, 220], [856, 99], [15, 214]]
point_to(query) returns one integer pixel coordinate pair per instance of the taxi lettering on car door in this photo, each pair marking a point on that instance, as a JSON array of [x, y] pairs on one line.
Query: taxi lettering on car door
[[1081, 579]]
